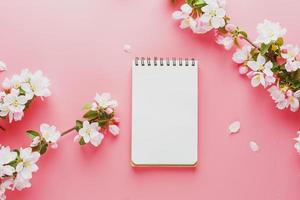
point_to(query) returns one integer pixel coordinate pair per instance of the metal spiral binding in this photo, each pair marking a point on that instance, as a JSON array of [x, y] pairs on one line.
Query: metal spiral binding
[[160, 61]]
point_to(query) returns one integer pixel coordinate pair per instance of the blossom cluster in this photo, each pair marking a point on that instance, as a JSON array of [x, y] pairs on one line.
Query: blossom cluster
[[98, 120], [19, 91], [267, 62], [17, 166]]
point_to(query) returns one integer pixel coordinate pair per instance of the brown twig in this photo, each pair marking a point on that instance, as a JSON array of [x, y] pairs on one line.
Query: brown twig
[[68, 131], [250, 42]]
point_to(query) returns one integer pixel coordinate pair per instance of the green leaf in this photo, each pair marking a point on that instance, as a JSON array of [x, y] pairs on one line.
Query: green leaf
[[81, 141], [87, 106], [14, 163], [244, 34], [198, 4], [90, 115], [32, 134], [22, 92], [190, 2], [102, 123], [264, 48], [78, 125], [102, 115], [43, 148]]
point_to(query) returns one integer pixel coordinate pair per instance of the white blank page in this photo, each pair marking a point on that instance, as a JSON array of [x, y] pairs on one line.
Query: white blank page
[[164, 115]]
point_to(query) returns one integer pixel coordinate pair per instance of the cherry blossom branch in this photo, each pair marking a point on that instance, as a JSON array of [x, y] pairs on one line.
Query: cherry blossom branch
[[19, 164], [268, 61]]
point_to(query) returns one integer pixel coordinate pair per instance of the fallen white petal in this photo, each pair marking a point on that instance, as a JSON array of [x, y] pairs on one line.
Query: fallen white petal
[[2, 66], [127, 48], [253, 146], [234, 127]]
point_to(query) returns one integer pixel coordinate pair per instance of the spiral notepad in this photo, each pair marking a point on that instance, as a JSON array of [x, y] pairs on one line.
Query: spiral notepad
[[164, 112]]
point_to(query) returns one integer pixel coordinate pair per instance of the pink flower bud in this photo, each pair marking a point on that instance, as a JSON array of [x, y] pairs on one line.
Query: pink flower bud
[[117, 119], [109, 110], [284, 51], [113, 129], [280, 60], [229, 27], [243, 69], [77, 138]]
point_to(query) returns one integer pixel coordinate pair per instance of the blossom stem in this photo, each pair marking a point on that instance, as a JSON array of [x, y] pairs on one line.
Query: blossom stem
[[68, 131], [74, 128], [250, 42]]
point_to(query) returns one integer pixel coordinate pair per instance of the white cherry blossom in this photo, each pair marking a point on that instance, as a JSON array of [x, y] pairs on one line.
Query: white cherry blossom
[[21, 183], [262, 73], [226, 41], [11, 83], [242, 55], [292, 65], [104, 101], [293, 100], [213, 14], [13, 103], [19, 90], [184, 15], [269, 32], [6, 156], [37, 85], [5, 185], [27, 164], [89, 132], [289, 52], [199, 27], [285, 99], [279, 97], [49, 133]]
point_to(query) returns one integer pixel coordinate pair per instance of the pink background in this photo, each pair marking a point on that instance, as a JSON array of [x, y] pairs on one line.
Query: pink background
[[79, 46]]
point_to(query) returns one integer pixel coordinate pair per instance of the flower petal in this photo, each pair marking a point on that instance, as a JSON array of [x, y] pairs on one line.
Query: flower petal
[[253, 146], [177, 15], [127, 48], [253, 65], [261, 60], [186, 8], [234, 127], [255, 81]]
